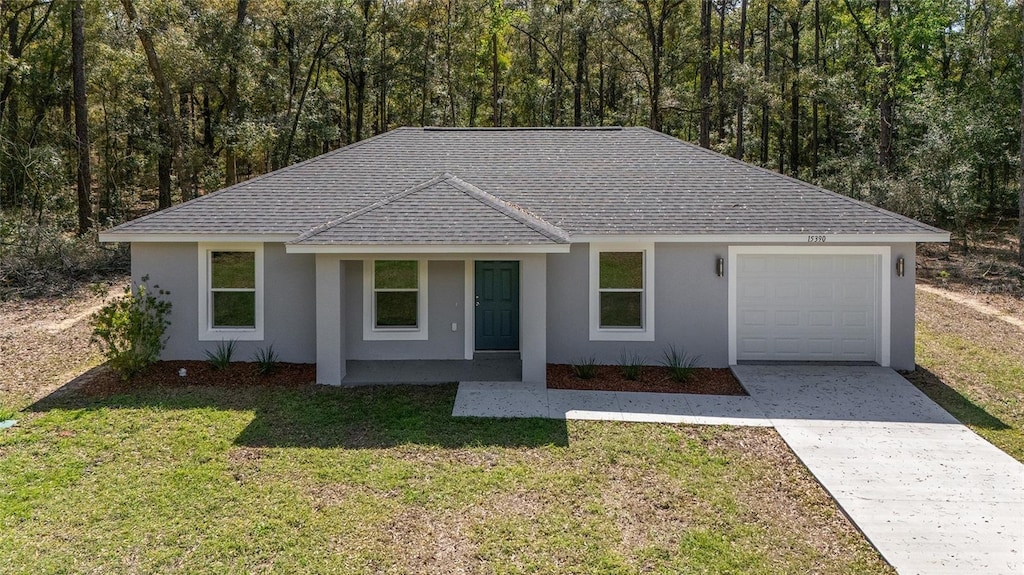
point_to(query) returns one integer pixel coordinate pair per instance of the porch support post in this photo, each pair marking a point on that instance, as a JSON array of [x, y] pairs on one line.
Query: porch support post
[[330, 317], [534, 343]]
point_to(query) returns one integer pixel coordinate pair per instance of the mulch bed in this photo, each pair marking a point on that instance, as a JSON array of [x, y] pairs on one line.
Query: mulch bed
[[710, 381], [238, 374]]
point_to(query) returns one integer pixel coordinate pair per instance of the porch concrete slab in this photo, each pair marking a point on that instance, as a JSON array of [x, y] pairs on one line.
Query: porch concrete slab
[[514, 399], [727, 410], [929, 494], [655, 407], [592, 405], [487, 399]]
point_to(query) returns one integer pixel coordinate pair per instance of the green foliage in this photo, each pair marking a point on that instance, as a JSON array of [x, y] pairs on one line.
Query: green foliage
[[632, 364], [130, 329], [6, 413], [266, 359], [585, 367], [220, 358], [679, 363]]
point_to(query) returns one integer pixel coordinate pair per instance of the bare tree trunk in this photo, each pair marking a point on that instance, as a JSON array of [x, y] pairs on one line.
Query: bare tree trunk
[[815, 102], [767, 70], [81, 118], [704, 137], [743, 92], [495, 116], [581, 71], [1020, 198], [231, 97], [720, 74], [170, 133], [885, 105], [794, 111]]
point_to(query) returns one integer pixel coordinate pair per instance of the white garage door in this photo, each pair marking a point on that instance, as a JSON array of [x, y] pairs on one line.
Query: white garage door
[[807, 307]]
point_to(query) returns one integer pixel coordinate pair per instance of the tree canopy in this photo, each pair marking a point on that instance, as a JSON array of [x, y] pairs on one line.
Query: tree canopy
[[913, 105]]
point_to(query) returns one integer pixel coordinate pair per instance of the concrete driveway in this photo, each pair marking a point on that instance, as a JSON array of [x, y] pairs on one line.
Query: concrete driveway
[[930, 495]]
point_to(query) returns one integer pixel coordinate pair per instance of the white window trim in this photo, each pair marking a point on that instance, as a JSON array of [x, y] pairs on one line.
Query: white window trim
[[884, 288], [373, 333], [598, 333], [206, 330]]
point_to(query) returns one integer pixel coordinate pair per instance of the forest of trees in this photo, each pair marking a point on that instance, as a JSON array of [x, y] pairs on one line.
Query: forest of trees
[[109, 108]]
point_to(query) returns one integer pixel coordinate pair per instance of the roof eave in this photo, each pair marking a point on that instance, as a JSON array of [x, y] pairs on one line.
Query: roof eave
[[756, 238], [186, 237], [549, 248]]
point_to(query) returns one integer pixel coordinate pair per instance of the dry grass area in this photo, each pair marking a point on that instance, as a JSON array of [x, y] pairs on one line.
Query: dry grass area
[[44, 342], [972, 364]]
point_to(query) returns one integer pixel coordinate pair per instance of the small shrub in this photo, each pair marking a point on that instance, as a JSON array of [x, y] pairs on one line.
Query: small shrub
[[131, 329], [632, 365], [266, 359], [679, 363], [585, 368], [221, 357]]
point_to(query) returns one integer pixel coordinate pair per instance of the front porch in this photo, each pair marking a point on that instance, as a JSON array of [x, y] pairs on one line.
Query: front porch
[[483, 367]]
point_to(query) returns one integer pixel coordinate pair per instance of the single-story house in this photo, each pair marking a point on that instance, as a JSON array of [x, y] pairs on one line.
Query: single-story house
[[547, 244]]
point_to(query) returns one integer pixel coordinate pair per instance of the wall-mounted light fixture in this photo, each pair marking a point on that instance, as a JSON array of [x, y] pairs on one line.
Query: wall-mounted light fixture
[[901, 266], [720, 267]]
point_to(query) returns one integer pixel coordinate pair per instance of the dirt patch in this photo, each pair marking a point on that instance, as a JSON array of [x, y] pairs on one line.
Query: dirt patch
[[44, 342], [202, 373], [709, 381], [988, 270]]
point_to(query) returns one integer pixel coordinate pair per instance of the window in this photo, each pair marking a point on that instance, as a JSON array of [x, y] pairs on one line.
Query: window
[[231, 292], [621, 287], [395, 293], [622, 292], [395, 299]]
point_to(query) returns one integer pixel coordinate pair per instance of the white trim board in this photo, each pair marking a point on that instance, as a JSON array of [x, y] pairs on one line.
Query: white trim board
[[883, 288], [420, 332], [425, 249], [206, 331], [598, 333], [764, 239], [112, 237]]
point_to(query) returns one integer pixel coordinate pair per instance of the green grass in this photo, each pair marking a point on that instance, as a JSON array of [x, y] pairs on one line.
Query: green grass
[[384, 480], [973, 366]]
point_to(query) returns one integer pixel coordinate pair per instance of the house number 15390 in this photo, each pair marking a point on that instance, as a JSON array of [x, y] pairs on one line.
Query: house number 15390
[[815, 239]]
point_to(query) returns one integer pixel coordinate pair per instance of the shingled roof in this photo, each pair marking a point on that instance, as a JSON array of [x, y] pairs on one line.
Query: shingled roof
[[515, 186]]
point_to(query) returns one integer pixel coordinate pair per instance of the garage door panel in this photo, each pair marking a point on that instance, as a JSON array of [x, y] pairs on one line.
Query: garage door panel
[[807, 307]]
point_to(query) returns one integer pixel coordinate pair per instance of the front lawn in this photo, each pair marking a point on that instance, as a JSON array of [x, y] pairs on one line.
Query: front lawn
[[972, 364], [308, 479]]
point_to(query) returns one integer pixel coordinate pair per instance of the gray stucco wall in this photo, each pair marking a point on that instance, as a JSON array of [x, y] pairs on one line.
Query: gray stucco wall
[[690, 302], [445, 305], [903, 306], [691, 307], [290, 316]]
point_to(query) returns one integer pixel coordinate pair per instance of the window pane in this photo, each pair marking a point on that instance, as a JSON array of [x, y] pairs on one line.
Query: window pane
[[234, 309], [396, 308], [622, 270], [621, 309], [395, 274], [233, 269]]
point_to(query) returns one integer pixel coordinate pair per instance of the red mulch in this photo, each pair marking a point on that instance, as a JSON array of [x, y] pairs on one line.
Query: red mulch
[[237, 374], [710, 381]]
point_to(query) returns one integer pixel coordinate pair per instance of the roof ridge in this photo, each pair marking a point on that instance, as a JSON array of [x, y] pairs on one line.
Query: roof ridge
[[813, 187], [370, 207], [512, 210], [506, 208], [239, 185]]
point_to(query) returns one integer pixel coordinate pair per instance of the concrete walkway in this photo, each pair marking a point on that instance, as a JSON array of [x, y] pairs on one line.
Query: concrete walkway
[[489, 399], [930, 495]]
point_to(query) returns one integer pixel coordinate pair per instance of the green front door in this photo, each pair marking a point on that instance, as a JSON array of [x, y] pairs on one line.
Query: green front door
[[497, 306]]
